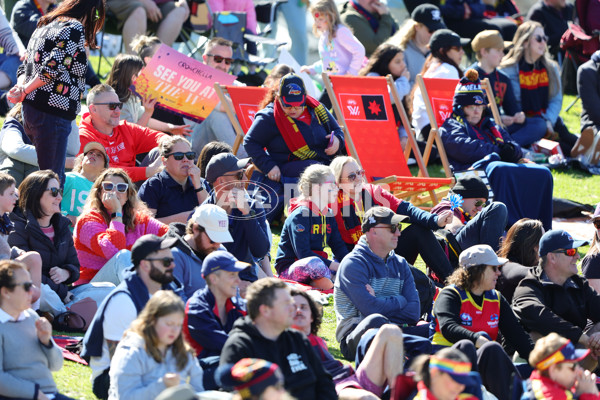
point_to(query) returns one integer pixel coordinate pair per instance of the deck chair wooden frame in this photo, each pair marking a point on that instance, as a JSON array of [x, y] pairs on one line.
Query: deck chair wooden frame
[[401, 186], [226, 100], [434, 132]]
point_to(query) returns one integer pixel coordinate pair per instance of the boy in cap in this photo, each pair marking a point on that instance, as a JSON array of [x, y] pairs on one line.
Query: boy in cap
[[557, 371], [488, 46], [211, 312], [554, 298], [253, 378]]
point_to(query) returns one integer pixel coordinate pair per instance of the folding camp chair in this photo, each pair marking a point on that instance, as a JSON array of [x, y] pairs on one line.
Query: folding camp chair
[[438, 95], [362, 105], [245, 101]]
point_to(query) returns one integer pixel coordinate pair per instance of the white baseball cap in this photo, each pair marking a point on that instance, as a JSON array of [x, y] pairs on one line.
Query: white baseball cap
[[215, 222]]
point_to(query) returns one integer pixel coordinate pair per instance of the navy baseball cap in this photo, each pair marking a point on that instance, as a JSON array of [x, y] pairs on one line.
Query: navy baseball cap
[[221, 260], [292, 91], [558, 239]]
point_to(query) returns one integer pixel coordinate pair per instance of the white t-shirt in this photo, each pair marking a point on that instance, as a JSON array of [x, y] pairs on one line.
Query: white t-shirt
[[118, 315]]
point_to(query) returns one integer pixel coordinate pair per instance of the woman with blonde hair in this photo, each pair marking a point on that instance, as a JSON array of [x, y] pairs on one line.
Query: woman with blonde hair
[[309, 228], [112, 220], [536, 84], [153, 355]]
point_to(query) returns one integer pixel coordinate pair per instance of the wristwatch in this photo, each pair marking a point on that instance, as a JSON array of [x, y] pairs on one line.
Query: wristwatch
[[201, 188], [116, 215]]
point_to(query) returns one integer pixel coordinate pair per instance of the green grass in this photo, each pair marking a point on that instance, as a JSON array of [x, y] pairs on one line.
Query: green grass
[[74, 379]]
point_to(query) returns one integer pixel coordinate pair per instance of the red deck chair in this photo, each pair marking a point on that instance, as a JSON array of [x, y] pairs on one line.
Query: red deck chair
[[245, 100], [438, 95], [362, 106]]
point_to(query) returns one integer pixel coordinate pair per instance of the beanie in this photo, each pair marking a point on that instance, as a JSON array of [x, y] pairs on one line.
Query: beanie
[[468, 91]]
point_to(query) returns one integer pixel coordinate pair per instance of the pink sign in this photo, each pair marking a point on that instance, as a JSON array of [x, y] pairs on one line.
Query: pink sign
[[182, 85]]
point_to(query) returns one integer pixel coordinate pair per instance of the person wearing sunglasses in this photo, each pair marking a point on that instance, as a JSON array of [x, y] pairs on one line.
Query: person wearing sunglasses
[[28, 351], [590, 266], [553, 297], [39, 226], [536, 84], [247, 222], [112, 220], [296, 131], [374, 286], [473, 139], [218, 54], [173, 193], [558, 373], [355, 196], [123, 141], [470, 314], [152, 271]]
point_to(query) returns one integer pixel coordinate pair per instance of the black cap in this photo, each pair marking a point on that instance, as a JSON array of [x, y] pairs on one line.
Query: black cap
[[149, 244], [446, 38], [471, 187], [381, 215], [430, 16]]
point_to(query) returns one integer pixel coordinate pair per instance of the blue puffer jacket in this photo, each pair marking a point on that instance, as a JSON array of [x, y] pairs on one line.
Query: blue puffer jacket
[[466, 144]]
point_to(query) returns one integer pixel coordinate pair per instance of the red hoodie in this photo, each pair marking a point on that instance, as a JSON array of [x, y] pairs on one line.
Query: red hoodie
[[127, 141]]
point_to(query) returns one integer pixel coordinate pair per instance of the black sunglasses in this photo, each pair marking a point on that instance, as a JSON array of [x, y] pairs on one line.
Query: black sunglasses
[[238, 175], [26, 285], [109, 187], [111, 106], [358, 174], [54, 191], [479, 203], [178, 156], [541, 38], [392, 228], [220, 59], [166, 261]]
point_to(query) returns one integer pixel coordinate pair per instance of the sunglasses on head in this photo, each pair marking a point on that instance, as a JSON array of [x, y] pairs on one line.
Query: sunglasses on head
[[220, 59], [120, 187], [26, 285], [541, 38], [597, 223], [111, 106], [567, 252], [358, 174], [392, 228], [237, 175], [178, 156], [166, 261], [54, 191]]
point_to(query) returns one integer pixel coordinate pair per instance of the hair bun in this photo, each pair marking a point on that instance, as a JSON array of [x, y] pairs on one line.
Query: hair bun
[[472, 75]]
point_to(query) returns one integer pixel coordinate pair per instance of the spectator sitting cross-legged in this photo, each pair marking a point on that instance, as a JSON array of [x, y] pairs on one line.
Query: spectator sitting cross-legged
[[211, 312], [123, 141], [152, 271], [588, 88], [113, 219], [173, 193]]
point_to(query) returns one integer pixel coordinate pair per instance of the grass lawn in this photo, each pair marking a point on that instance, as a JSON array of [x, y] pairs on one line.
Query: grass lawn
[[74, 379]]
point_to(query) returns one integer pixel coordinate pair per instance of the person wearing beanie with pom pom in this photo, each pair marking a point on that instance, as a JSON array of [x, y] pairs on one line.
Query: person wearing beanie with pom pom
[[472, 139]]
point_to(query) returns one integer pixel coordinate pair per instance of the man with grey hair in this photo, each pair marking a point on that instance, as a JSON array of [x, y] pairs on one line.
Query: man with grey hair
[[122, 140]]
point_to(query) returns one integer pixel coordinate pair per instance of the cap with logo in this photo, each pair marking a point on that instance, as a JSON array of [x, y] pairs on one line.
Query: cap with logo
[[292, 91], [223, 163], [480, 254], [428, 15], [250, 377], [557, 239], [215, 222], [149, 244], [381, 215]]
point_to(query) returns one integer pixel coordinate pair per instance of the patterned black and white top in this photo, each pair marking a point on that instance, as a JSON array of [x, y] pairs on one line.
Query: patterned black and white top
[[56, 54]]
